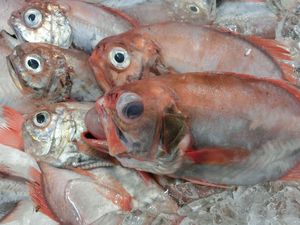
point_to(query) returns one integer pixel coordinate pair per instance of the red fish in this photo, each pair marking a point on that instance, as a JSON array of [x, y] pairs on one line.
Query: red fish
[[163, 48], [206, 127]]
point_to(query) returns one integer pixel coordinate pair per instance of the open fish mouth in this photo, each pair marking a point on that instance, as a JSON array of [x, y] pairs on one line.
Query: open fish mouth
[[14, 76], [96, 143]]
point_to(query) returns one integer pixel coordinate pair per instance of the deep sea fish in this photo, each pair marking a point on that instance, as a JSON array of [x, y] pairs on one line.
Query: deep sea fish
[[65, 23], [207, 127], [168, 47], [52, 135], [248, 18], [88, 199], [48, 72], [158, 11]]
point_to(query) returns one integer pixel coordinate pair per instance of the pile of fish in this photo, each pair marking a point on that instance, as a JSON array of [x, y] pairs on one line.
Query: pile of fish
[[149, 112]]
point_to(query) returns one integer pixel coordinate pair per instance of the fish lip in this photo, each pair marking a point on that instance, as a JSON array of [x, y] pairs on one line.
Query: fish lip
[[12, 72], [90, 140]]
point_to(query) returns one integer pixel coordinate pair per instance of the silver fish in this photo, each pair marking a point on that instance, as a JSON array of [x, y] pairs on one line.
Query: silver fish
[[52, 134], [56, 74], [63, 23]]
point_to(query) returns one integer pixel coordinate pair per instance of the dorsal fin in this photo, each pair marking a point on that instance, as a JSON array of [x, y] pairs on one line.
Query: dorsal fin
[[135, 23]]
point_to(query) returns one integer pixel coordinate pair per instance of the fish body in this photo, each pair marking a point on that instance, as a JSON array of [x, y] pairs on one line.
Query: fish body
[[153, 11], [231, 129], [53, 74], [248, 18], [52, 134], [63, 23], [102, 195], [169, 47]]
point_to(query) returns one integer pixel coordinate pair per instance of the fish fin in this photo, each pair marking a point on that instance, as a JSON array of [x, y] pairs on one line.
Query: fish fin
[[113, 190], [217, 156], [293, 174], [135, 23], [37, 194], [11, 123], [278, 52], [206, 183]]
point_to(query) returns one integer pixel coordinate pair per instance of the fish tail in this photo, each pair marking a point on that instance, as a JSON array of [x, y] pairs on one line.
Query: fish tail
[[11, 123]]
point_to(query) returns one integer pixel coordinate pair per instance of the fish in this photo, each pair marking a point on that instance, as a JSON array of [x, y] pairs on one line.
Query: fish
[[109, 194], [54, 74], [247, 18], [178, 48], [153, 11], [64, 23], [52, 134], [208, 128]]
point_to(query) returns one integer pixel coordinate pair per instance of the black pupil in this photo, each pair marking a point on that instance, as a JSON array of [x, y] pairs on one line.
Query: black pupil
[[40, 118], [34, 64], [133, 110], [119, 57], [31, 17], [193, 8]]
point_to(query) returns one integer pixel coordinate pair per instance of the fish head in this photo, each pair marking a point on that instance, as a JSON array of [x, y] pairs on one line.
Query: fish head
[[143, 127], [193, 11], [40, 70], [42, 21], [122, 59], [50, 134]]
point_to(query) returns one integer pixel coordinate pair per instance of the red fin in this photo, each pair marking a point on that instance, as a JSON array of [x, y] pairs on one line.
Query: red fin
[[120, 14], [276, 50], [217, 156], [114, 191], [206, 183], [293, 174], [37, 195], [11, 128]]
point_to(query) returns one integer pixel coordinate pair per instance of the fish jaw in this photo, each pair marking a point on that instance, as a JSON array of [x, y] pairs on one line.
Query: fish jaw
[[112, 132], [14, 76], [95, 135]]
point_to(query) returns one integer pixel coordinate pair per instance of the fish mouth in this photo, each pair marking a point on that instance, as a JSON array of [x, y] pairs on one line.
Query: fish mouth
[[96, 143], [12, 71]]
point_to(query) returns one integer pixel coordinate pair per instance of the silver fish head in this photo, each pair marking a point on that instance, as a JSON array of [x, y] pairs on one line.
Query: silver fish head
[[40, 70], [51, 133], [42, 21]]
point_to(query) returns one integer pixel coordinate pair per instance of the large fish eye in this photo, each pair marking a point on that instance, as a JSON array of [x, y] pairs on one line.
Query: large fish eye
[[119, 58], [33, 63], [33, 18], [129, 106], [193, 8], [41, 119]]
